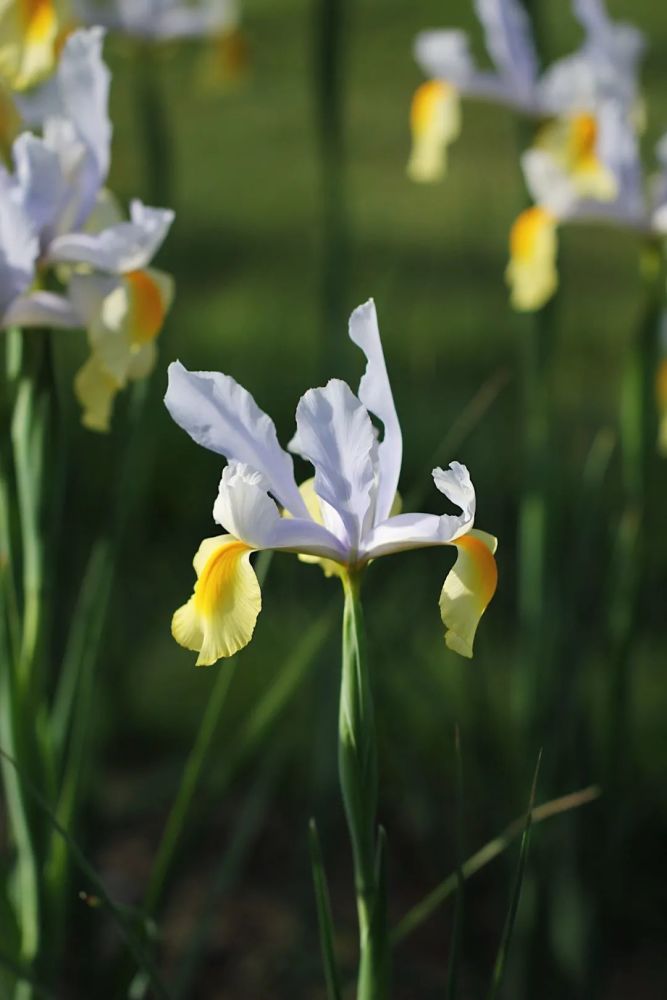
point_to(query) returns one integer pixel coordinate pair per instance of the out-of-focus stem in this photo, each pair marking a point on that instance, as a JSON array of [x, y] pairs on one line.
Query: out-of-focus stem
[[329, 73], [638, 438], [153, 127], [533, 527], [357, 763]]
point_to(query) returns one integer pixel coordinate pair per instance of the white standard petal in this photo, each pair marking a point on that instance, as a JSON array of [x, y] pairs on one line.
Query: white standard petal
[[84, 82], [414, 531], [335, 434], [375, 393], [19, 246], [127, 246], [219, 414], [509, 40], [244, 508], [41, 187]]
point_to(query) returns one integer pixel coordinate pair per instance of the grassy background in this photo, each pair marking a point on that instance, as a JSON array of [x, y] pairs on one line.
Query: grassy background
[[246, 251]]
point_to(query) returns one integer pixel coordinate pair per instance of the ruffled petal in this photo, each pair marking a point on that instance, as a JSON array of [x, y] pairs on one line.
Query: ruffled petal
[[41, 187], [531, 272], [435, 122], [413, 531], [219, 619], [376, 395], [335, 434], [468, 589], [123, 248], [219, 414], [244, 508]]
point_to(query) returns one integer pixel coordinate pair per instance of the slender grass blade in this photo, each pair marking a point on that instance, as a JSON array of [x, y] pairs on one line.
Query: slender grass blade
[[324, 916], [503, 951]]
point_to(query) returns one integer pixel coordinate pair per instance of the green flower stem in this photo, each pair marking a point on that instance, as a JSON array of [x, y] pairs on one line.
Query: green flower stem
[[30, 375], [153, 127], [638, 439], [534, 511], [357, 763]]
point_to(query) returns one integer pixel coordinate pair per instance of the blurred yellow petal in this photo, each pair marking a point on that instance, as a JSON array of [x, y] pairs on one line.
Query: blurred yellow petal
[[10, 123], [224, 61], [435, 122], [95, 389], [467, 590], [531, 272], [571, 141], [28, 41], [149, 296], [219, 619]]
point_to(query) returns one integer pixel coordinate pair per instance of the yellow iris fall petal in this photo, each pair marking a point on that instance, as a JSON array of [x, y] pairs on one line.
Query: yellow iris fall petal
[[95, 389], [219, 619], [469, 587], [531, 272], [435, 121]]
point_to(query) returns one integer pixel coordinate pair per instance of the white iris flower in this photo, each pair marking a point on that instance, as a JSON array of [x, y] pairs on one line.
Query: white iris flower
[[342, 518]]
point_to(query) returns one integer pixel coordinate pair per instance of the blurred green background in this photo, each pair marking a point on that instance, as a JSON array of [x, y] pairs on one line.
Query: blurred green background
[[248, 252]]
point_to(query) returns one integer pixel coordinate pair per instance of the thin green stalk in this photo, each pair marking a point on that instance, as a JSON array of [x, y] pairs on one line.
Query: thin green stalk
[[153, 126], [534, 526], [638, 439], [457, 931], [357, 764], [324, 915], [117, 912], [329, 75], [426, 907], [178, 814], [503, 951]]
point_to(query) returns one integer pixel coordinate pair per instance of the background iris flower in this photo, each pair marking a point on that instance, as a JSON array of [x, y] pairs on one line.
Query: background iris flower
[[344, 516], [604, 68], [60, 226], [162, 20]]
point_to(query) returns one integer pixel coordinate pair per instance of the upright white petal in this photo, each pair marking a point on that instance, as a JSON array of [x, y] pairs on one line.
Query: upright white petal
[[221, 415], [19, 246], [413, 531], [84, 82], [614, 50], [244, 508], [335, 434], [41, 187], [375, 393], [509, 39]]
